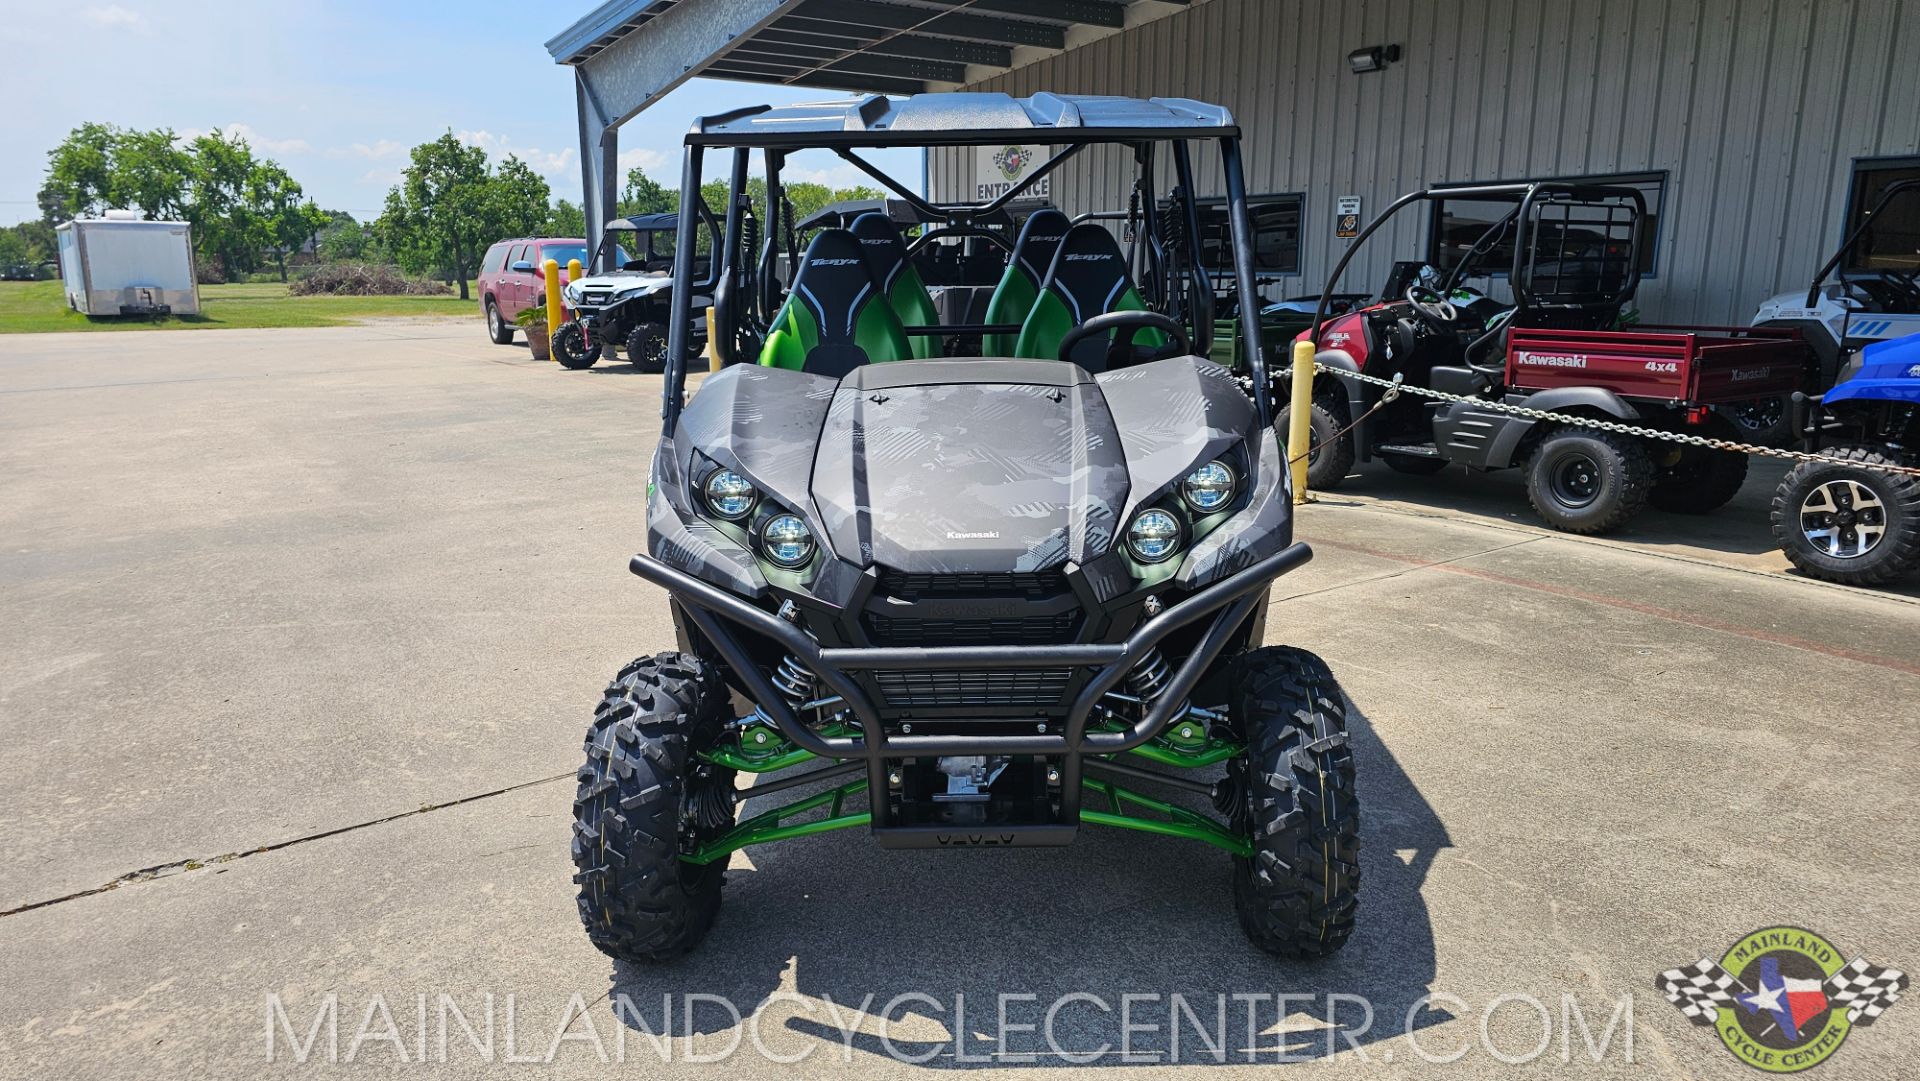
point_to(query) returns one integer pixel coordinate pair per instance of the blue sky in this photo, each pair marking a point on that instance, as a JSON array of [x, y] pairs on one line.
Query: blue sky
[[335, 90]]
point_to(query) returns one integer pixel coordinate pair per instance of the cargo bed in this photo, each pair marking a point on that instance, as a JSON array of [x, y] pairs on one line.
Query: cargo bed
[[1692, 366]]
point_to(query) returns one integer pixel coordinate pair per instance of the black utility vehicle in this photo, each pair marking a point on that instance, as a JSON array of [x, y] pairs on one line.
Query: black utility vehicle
[[978, 598]]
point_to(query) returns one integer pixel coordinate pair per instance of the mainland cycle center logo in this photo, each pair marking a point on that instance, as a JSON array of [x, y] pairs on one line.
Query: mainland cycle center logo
[[1782, 998]]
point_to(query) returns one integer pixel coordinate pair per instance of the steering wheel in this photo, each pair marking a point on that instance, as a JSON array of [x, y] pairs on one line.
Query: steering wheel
[[1433, 308], [1124, 326]]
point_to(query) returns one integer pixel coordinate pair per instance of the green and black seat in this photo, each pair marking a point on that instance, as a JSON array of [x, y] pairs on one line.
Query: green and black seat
[[894, 275], [1019, 287], [834, 319], [1088, 277]]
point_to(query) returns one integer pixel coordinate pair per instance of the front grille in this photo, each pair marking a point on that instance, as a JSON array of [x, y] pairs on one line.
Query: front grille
[[912, 631], [914, 587], [592, 296], [924, 690]]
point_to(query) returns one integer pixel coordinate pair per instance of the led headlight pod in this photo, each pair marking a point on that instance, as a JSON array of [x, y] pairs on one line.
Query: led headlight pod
[[1208, 488], [730, 495], [1153, 535], [785, 541]]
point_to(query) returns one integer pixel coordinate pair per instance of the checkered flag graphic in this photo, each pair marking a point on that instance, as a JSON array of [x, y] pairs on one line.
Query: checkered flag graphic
[[1864, 990], [1699, 989]]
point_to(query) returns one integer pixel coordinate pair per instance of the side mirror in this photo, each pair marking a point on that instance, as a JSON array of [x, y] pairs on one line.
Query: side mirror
[[523, 267]]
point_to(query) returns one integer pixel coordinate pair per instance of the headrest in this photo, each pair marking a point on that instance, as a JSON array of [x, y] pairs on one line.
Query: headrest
[[832, 281], [886, 253], [1089, 272], [1039, 238]]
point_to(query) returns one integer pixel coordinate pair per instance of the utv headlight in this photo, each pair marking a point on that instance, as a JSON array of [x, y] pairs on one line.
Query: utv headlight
[[571, 292], [1208, 488], [730, 495], [1153, 536], [785, 541]]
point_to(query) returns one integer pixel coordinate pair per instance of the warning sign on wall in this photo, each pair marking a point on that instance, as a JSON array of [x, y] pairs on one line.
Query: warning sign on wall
[[1346, 217]]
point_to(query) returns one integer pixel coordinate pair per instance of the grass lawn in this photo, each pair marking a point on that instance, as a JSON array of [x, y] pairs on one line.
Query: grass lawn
[[34, 307]]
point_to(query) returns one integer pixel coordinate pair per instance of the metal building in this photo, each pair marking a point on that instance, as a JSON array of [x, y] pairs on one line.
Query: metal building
[[1755, 126]]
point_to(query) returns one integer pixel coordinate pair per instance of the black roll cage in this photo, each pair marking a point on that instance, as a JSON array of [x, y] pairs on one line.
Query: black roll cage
[[1853, 236], [1522, 222], [744, 296]]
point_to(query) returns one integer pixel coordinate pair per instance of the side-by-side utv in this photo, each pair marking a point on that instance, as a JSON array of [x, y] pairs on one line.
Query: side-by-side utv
[[629, 303], [1572, 253], [964, 601], [1867, 291]]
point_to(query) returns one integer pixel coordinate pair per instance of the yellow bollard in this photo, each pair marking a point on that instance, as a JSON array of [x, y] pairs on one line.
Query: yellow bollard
[[550, 277], [1300, 428], [573, 275], [713, 355]]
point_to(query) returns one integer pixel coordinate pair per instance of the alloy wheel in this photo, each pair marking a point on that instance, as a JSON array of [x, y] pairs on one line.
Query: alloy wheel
[[1843, 519]]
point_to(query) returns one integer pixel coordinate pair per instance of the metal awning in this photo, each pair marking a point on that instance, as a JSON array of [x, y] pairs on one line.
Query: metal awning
[[626, 54], [884, 46]]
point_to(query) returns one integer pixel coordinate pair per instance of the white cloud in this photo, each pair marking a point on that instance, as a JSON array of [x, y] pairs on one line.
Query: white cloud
[[112, 15], [254, 139], [549, 163], [385, 178], [376, 150], [642, 157], [835, 176]]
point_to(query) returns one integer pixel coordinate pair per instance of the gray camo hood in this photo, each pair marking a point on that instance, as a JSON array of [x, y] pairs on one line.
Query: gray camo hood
[[948, 466]]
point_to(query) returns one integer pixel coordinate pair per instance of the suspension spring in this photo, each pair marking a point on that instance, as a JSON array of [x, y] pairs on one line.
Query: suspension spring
[[794, 681], [1150, 676]]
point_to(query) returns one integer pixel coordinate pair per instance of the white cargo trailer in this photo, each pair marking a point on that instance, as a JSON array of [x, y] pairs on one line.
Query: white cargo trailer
[[122, 264]]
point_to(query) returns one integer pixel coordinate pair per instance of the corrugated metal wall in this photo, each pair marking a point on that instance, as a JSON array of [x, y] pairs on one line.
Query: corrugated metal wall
[[1755, 108]]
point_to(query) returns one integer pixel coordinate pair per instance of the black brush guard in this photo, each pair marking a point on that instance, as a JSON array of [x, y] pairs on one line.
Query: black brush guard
[[1229, 601]]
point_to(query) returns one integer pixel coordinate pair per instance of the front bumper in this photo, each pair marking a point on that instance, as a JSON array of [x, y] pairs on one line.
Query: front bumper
[[1228, 603]]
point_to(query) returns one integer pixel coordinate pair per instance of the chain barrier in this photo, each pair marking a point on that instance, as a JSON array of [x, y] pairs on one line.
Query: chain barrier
[[1396, 386]]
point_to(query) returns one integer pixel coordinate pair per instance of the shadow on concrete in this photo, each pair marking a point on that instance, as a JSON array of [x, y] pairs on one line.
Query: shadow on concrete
[[937, 942], [1741, 531]]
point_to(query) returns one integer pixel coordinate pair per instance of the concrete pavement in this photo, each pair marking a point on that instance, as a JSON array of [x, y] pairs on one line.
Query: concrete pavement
[[304, 626]]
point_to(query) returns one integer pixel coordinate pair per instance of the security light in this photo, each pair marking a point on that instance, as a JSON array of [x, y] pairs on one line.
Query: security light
[[1373, 58]]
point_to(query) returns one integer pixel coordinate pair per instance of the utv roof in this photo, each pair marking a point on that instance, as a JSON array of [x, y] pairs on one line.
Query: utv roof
[[964, 118], [647, 222]]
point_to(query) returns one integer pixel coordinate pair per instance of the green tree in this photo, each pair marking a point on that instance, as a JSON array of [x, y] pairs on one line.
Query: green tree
[[149, 171], [451, 206], [566, 219], [342, 239], [282, 223], [225, 224], [37, 238], [645, 195], [13, 249], [79, 174], [520, 197]]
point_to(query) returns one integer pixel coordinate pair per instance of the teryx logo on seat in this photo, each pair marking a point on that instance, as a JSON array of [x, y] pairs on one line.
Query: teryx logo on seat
[[833, 262], [1094, 258]]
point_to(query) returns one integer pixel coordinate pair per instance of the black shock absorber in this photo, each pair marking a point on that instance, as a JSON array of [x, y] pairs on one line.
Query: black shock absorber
[[1148, 680]]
